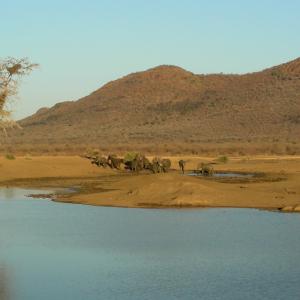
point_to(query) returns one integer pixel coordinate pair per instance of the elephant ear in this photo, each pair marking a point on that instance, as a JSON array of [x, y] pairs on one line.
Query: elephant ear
[[130, 156]]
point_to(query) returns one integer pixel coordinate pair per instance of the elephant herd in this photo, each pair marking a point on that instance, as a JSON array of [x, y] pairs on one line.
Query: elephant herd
[[134, 162], [137, 162]]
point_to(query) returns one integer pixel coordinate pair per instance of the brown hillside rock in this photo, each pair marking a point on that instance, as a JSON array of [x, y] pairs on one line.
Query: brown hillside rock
[[168, 105]]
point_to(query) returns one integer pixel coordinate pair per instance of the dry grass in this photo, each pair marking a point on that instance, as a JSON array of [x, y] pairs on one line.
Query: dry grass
[[202, 149]]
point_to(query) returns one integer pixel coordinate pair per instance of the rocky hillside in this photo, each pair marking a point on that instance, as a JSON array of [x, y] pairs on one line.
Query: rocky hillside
[[169, 105]]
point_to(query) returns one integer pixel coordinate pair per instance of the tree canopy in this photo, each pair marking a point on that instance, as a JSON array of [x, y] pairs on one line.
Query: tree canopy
[[11, 70]]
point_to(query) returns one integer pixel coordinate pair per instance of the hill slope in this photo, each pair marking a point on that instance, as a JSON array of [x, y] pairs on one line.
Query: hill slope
[[169, 105]]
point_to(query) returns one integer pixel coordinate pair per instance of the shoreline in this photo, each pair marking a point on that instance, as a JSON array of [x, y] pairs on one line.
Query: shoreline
[[59, 198], [278, 189]]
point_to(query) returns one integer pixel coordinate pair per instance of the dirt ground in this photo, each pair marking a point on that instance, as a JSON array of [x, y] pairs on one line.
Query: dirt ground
[[275, 185]]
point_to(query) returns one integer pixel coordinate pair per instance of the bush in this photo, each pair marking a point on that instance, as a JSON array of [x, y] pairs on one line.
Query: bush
[[28, 156], [223, 159], [10, 156], [130, 156]]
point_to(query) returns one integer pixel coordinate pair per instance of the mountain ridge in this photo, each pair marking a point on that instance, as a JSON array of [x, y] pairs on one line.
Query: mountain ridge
[[169, 105]]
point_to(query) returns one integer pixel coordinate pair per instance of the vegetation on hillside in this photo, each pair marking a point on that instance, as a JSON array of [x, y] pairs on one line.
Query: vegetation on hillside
[[170, 110]]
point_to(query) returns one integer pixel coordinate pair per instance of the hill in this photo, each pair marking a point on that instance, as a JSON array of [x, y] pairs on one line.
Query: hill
[[168, 107]]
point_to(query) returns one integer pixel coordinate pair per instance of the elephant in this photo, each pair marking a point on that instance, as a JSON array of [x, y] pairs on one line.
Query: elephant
[[133, 165], [156, 165], [165, 165], [132, 161], [207, 169], [139, 162], [136, 162], [143, 162], [146, 163], [159, 165], [100, 162], [93, 159], [114, 162], [181, 164]]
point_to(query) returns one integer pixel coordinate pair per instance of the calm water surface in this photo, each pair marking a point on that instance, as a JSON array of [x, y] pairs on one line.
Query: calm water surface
[[61, 251]]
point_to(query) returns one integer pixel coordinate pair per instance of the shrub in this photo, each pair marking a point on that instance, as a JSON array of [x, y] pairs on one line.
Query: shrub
[[130, 156], [28, 156], [223, 159], [10, 156]]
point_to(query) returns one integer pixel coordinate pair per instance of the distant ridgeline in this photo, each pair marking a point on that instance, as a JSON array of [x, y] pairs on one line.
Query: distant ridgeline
[[169, 109]]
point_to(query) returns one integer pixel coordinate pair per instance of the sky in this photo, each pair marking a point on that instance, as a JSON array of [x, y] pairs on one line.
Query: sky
[[81, 45]]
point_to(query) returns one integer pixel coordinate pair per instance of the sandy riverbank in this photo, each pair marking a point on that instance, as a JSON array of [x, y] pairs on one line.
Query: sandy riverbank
[[277, 188]]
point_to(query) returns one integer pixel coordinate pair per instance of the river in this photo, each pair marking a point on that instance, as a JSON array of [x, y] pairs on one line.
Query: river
[[59, 251]]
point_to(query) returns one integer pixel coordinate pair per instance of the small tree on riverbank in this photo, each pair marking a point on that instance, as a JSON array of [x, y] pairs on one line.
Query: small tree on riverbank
[[11, 71]]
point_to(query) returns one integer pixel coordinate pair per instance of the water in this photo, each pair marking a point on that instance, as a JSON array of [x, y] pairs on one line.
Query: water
[[225, 175], [62, 251]]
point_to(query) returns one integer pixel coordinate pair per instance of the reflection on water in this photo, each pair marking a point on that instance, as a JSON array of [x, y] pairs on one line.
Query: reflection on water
[[224, 175], [60, 251]]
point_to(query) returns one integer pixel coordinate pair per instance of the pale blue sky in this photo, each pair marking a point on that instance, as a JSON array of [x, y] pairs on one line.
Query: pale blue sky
[[83, 44]]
